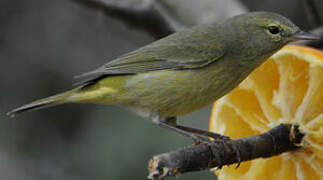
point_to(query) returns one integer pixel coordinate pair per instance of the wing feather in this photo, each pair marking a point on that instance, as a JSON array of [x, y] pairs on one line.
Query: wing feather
[[189, 49]]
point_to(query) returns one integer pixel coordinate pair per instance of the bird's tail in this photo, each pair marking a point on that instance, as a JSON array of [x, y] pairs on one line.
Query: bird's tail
[[45, 102]]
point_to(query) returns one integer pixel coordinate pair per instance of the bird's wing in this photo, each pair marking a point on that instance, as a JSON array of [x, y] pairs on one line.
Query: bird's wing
[[182, 52]]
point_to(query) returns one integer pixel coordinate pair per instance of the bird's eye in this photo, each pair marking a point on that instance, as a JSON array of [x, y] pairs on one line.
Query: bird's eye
[[273, 29]]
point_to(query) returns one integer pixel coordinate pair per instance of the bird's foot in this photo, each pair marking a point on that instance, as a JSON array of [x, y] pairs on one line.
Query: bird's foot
[[197, 135]]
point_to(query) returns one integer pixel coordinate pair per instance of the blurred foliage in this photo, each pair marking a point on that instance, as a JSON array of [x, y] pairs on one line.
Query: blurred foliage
[[43, 44]]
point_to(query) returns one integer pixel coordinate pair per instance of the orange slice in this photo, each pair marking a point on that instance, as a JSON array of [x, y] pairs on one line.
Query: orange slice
[[288, 88]]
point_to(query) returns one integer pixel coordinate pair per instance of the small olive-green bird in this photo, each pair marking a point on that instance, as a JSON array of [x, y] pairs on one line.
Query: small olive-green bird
[[183, 72]]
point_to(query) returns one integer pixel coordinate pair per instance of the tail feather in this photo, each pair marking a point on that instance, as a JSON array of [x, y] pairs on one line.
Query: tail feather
[[43, 103]]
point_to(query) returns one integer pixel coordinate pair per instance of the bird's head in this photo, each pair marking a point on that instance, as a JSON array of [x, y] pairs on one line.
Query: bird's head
[[261, 33]]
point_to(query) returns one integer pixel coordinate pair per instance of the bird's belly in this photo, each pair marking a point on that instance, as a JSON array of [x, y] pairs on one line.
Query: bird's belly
[[174, 93]]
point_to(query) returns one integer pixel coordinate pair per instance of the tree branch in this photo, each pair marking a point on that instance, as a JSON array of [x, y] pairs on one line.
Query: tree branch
[[148, 15], [283, 138]]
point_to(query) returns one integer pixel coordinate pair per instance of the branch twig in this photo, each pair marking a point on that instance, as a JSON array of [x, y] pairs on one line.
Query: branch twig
[[283, 138], [149, 15]]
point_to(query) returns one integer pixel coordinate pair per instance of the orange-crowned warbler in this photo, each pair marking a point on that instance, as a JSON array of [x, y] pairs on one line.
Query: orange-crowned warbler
[[183, 72]]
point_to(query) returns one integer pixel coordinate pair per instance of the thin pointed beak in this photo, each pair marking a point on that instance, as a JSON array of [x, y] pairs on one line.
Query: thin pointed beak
[[301, 35]]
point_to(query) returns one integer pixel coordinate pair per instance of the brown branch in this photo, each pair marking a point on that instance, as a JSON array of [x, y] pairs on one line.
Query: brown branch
[[312, 13], [149, 15], [283, 138]]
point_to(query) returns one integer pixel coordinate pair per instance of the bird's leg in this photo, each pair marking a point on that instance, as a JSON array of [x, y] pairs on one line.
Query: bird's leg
[[170, 123], [196, 134], [215, 136], [201, 132]]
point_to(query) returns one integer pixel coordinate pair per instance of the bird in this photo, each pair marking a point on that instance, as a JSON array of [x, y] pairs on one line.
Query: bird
[[184, 71]]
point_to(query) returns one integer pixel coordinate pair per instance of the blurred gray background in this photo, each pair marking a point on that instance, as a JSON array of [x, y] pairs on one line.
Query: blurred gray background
[[43, 44]]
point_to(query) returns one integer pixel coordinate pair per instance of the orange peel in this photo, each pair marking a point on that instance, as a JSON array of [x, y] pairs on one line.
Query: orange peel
[[288, 88]]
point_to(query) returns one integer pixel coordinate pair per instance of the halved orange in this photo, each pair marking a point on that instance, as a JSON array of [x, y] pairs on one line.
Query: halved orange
[[288, 88]]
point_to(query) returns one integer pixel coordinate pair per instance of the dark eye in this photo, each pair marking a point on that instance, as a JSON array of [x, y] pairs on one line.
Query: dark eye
[[273, 29]]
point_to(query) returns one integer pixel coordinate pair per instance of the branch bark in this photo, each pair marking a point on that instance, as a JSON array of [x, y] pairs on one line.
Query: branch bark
[[283, 138]]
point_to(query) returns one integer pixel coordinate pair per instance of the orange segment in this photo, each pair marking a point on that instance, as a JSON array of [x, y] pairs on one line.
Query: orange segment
[[288, 88], [265, 90]]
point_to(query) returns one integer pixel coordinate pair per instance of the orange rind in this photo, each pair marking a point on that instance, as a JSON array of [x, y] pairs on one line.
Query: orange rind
[[288, 88]]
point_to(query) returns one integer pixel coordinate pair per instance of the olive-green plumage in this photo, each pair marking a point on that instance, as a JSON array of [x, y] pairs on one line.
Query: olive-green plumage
[[184, 71]]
